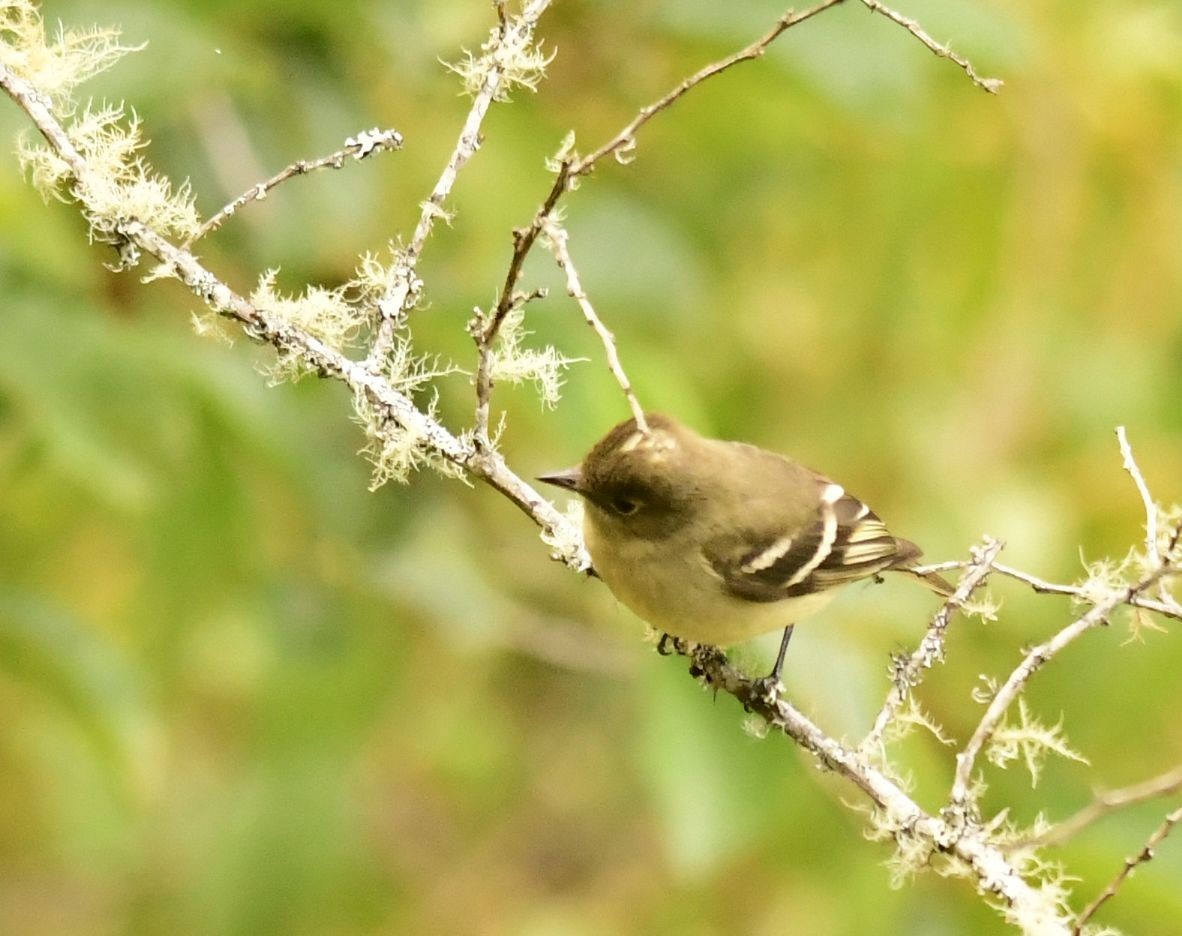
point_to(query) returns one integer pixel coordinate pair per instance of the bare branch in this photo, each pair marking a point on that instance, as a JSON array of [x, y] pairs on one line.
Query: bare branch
[[624, 141], [1168, 608], [558, 240], [359, 147], [992, 85], [931, 649], [1131, 863], [1107, 802], [1129, 463]]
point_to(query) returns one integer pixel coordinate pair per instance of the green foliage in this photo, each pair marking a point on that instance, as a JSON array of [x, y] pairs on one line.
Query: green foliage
[[243, 694]]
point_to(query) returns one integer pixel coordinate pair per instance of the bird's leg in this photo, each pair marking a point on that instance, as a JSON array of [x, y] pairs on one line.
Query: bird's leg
[[769, 687], [774, 675]]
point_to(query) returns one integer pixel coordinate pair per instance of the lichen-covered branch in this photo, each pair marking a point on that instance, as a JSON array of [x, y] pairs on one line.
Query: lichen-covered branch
[[510, 58], [135, 236], [1162, 564], [923, 836], [909, 672]]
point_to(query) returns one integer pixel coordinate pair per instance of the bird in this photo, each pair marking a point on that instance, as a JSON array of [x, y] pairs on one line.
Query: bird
[[717, 542]]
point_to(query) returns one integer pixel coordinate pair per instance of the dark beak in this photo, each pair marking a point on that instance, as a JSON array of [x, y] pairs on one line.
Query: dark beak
[[569, 479]]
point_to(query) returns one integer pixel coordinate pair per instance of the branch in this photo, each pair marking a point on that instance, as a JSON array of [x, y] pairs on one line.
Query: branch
[[1105, 803], [1169, 608], [359, 147], [625, 141], [512, 37], [1129, 463], [1146, 854], [992, 85], [558, 241], [909, 824], [569, 168], [931, 649], [486, 328]]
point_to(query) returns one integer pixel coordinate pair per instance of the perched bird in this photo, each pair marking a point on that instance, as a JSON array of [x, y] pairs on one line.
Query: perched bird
[[717, 542]]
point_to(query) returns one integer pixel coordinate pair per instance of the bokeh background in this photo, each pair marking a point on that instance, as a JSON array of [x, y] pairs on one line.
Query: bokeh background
[[242, 694]]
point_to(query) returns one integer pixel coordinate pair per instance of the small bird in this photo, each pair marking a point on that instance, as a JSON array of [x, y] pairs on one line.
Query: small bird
[[717, 542]]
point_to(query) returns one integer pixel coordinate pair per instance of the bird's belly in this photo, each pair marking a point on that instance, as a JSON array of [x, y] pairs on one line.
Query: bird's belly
[[678, 596]]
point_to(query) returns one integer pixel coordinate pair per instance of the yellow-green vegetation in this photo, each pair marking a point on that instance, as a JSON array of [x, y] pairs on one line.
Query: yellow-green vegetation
[[244, 694]]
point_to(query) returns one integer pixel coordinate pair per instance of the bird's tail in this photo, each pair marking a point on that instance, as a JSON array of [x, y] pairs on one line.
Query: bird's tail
[[937, 583]]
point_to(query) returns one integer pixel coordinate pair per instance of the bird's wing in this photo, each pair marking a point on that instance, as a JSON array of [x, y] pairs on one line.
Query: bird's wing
[[842, 542]]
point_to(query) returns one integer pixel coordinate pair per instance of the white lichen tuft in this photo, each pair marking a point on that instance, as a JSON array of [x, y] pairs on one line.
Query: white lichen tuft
[[118, 185], [1031, 741], [913, 853], [323, 313], [911, 716], [1105, 579], [55, 67], [508, 59], [208, 324], [397, 451], [983, 606], [1052, 913], [511, 363]]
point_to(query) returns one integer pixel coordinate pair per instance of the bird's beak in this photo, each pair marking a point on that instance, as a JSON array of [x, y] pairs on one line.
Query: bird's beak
[[570, 479]]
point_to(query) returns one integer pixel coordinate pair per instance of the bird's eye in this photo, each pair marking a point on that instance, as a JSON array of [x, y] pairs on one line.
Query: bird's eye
[[624, 506]]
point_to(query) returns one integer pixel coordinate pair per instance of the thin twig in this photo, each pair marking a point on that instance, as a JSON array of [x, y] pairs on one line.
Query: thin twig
[[1152, 549], [559, 244], [624, 141], [1107, 802], [486, 328], [1167, 608], [359, 147], [992, 85], [1129, 463], [1131, 863], [931, 649]]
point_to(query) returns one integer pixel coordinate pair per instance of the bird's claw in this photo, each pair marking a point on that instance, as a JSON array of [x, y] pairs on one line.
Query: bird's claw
[[766, 692]]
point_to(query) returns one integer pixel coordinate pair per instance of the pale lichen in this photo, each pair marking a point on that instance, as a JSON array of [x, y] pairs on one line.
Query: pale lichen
[[55, 68], [512, 363], [1031, 741], [508, 59]]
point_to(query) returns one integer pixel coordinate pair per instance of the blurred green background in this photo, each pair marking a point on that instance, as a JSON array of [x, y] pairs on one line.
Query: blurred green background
[[242, 694]]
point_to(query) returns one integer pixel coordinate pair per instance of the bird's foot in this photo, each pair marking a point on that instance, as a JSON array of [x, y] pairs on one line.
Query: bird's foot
[[669, 645], [764, 693]]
